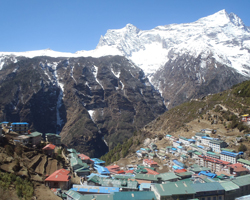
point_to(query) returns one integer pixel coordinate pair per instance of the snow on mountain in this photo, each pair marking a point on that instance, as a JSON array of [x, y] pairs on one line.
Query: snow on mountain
[[223, 35]]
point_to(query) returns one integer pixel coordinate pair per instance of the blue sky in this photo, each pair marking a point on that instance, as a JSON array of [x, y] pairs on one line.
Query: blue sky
[[73, 25]]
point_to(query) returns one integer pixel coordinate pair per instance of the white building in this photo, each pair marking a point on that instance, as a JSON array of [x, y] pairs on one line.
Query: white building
[[229, 156], [176, 143], [184, 141], [216, 145], [205, 140]]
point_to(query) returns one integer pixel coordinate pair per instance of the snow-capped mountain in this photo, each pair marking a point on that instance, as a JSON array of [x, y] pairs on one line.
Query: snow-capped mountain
[[111, 91], [222, 34]]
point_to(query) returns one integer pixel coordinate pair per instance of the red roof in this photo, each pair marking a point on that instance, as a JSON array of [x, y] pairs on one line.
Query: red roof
[[129, 171], [60, 175], [49, 147], [121, 172], [113, 167], [238, 167], [150, 171], [180, 170], [83, 157], [214, 160], [150, 162]]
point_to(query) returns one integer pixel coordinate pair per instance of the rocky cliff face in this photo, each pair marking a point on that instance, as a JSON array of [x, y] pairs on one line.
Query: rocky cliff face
[[89, 101]]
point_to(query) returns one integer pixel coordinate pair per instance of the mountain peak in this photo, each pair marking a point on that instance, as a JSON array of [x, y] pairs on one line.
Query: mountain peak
[[131, 28], [236, 20], [219, 18]]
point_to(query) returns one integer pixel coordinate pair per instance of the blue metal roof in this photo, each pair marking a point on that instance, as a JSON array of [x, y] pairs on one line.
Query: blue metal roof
[[178, 142], [228, 153], [174, 149], [101, 170], [180, 147], [20, 123], [177, 167], [212, 175], [178, 163], [205, 137], [191, 140], [97, 161], [200, 146], [95, 189]]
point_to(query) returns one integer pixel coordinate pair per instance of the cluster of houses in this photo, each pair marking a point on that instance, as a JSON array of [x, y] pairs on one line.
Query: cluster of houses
[[218, 173], [144, 182], [221, 174], [18, 132]]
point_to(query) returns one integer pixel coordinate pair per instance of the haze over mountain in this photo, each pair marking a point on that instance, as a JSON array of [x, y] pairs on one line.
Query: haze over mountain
[[142, 71]]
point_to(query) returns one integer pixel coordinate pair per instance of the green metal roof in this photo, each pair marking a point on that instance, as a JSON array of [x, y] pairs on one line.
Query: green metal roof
[[197, 153], [174, 188], [52, 134], [181, 137], [206, 187], [242, 180], [123, 176], [216, 141], [148, 177], [247, 162], [229, 185], [199, 168], [184, 174], [168, 176], [140, 195], [75, 195], [225, 149], [94, 179], [35, 134]]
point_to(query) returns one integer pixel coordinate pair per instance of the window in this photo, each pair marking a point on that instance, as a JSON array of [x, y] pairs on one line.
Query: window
[[220, 198], [214, 198]]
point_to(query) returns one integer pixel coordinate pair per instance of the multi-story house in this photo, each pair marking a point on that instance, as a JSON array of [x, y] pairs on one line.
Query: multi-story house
[[229, 156], [205, 140], [53, 138], [20, 127], [216, 145], [213, 163]]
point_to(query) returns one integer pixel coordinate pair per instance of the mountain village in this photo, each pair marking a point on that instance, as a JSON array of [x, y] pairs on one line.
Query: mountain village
[[201, 167]]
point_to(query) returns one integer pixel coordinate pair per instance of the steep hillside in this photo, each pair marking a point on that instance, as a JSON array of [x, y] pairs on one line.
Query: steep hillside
[[86, 100], [221, 111]]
